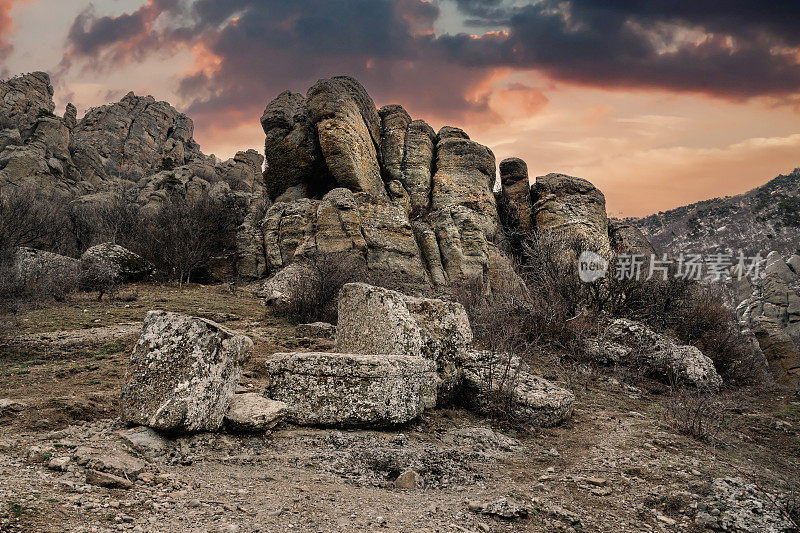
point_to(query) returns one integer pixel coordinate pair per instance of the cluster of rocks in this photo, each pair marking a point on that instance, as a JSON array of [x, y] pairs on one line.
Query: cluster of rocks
[[770, 308], [418, 205], [182, 378], [137, 143], [396, 356], [631, 343], [107, 261]]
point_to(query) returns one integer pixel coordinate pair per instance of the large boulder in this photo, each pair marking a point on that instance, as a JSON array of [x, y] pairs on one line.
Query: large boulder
[[493, 382], [631, 343], [573, 206], [124, 265], [516, 191], [375, 320], [182, 373], [351, 390], [32, 267]]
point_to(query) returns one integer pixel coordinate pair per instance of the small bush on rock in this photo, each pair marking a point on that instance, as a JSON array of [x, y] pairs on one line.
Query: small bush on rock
[[314, 292]]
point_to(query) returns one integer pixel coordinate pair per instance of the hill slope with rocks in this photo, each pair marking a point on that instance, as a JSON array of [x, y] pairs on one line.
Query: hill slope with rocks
[[764, 219]]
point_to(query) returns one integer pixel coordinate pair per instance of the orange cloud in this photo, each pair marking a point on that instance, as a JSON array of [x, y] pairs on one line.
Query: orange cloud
[[7, 26]]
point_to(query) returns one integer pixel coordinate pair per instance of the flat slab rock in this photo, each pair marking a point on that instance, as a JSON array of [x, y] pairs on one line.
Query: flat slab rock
[[182, 373], [352, 390]]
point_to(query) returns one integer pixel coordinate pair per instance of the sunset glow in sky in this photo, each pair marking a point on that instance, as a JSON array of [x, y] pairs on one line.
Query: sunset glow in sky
[[658, 103]]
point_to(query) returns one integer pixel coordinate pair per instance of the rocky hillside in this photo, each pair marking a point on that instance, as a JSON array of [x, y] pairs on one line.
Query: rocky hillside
[[764, 219], [137, 143]]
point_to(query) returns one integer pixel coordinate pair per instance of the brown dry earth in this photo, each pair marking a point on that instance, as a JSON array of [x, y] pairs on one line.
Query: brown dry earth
[[616, 466]]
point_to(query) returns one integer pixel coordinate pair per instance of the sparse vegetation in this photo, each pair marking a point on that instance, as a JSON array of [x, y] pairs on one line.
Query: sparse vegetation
[[314, 290]]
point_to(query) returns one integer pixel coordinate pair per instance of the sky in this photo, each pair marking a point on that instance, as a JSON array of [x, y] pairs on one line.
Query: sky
[[659, 103]]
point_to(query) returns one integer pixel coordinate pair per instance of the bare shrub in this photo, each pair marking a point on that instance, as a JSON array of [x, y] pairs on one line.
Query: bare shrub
[[116, 220], [30, 217], [314, 293], [98, 276], [699, 414], [183, 236]]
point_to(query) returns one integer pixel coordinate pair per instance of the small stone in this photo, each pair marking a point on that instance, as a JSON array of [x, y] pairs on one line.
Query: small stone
[[409, 480], [193, 504], [665, 519], [602, 491], [251, 413], [705, 520], [104, 479], [59, 463]]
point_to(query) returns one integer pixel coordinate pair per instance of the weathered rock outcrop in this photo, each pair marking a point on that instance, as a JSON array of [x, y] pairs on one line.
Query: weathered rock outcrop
[[516, 191], [132, 139], [23, 99], [344, 176], [182, 373], [348, 131], [771, 309], [572, 205], [374, 320], [631, 343], [125, 265], [351, 390], [34, 143], [781, 351]]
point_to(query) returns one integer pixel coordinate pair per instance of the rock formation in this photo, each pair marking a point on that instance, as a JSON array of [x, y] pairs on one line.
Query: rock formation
[[23, 99], [573, 206], [132, 139], [34, 143], [345, 176], [516, 193], [771, 310], [182, 373]]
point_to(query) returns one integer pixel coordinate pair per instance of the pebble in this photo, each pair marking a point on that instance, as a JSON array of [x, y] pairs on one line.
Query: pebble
[[193, 504]]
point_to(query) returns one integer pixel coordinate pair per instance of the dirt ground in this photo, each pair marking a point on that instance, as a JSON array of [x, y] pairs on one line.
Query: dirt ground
[[617, 465]]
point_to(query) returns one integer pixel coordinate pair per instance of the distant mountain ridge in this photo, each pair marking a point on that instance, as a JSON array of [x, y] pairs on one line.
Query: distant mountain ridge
[[761, 220]]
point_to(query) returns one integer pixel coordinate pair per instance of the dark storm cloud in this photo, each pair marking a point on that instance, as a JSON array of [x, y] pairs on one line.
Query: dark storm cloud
[[738, 50], [744, 50]]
